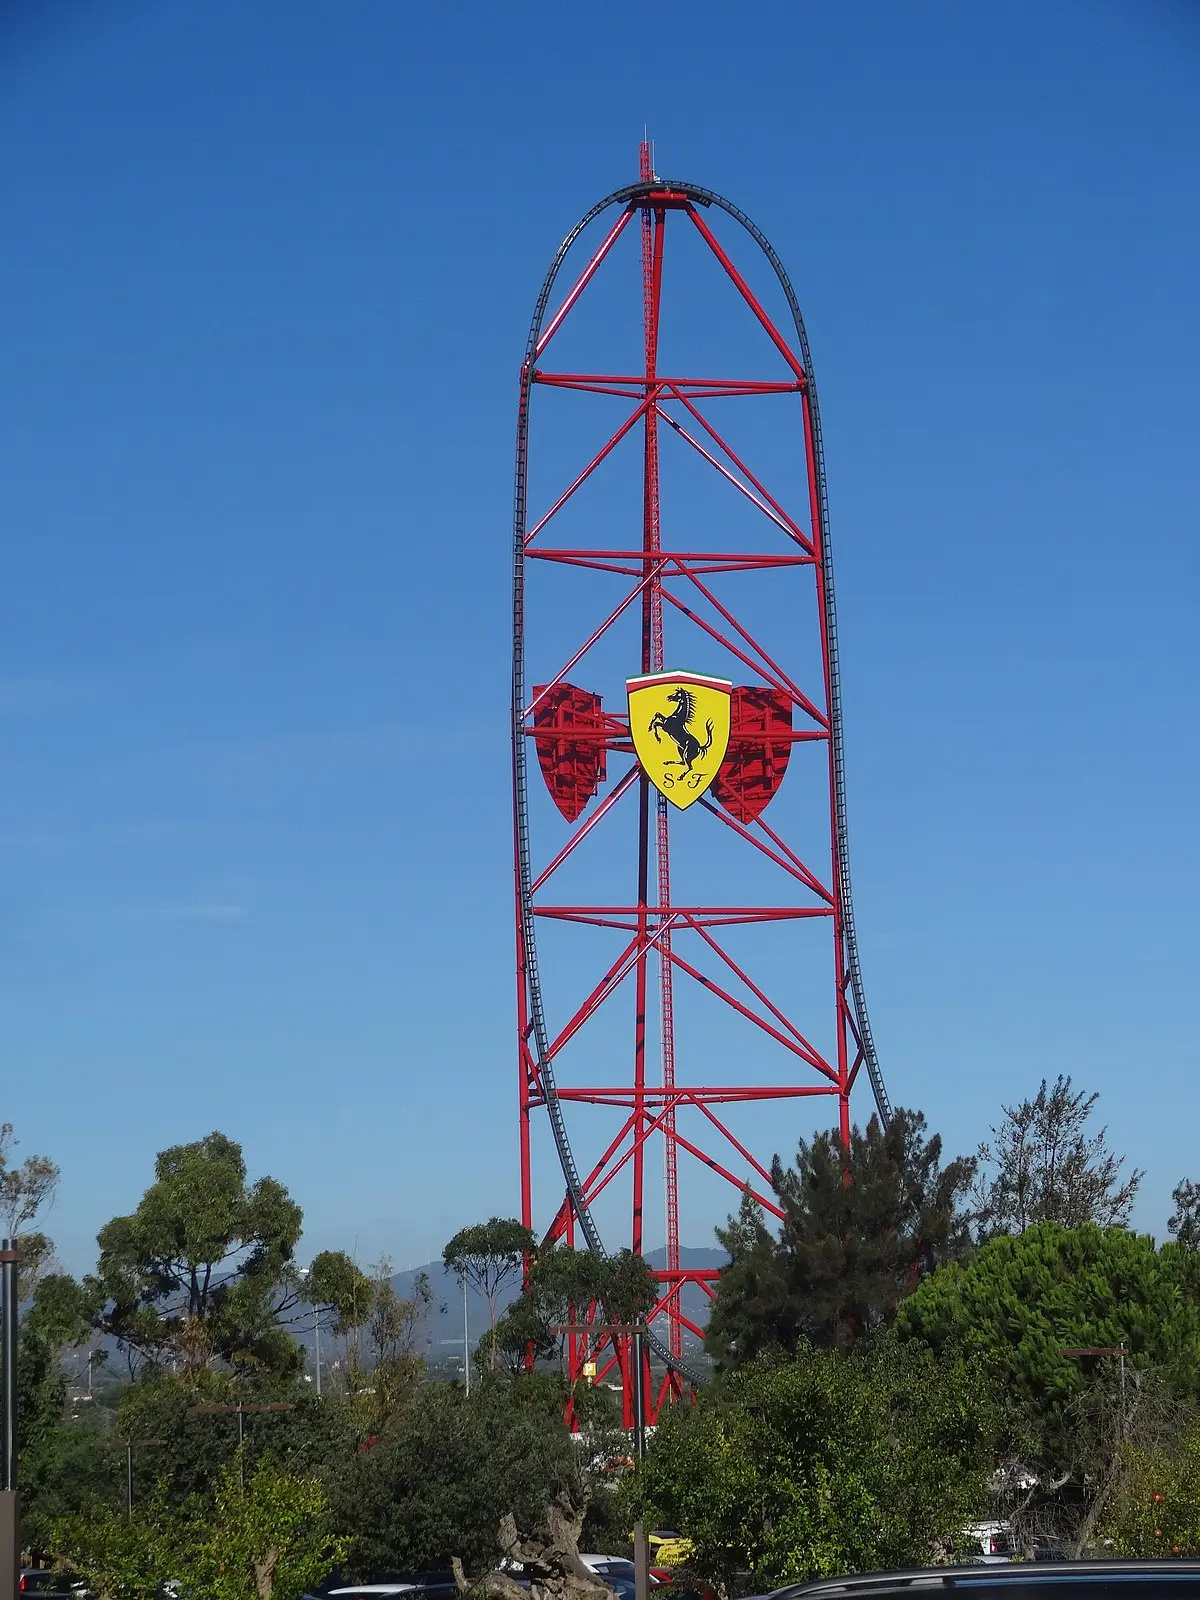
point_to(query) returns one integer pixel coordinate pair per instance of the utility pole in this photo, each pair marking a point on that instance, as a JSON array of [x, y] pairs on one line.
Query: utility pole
[[317, 1331], [10, 1505]]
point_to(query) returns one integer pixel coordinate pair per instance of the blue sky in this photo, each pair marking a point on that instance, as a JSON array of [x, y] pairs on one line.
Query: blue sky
[[264, 289]]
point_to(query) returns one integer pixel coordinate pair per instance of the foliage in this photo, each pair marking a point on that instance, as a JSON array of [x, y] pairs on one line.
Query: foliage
[[68, 1470], [1157, 1512], [451, 1467], [1184, 1223], [487, 1256], [120, 1558], [194, 1273], [24, 1190], [564, 1284], [197, 1445], [267, 1539], [339, 1291], [825, 1463], [1043, 1167], [384, 1358], [858, 1229], [264, 1538], [1021, 1301]]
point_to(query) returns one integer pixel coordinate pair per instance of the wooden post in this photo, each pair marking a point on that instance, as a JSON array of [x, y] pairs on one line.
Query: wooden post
[[10, 1545], [641, 1562]]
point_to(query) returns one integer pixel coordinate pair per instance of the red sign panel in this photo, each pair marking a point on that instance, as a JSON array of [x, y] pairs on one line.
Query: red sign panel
[[570, 741], [755, 762]]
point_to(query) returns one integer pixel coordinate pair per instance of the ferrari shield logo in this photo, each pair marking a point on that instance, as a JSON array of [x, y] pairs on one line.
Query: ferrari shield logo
[[680, 727]]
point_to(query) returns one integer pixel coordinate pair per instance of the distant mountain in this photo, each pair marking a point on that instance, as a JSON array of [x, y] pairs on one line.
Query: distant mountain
[[440, 1332], [690, 1256]]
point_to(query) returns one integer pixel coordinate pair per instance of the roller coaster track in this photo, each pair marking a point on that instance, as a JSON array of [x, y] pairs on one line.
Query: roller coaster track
[[631, 197]]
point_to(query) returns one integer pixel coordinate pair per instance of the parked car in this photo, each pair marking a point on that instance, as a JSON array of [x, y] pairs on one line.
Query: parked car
[[607, 1567], [1020, 1580], [390, 1586], [994, 1540], [667, 1549], [50, 1585], [371, 1591]]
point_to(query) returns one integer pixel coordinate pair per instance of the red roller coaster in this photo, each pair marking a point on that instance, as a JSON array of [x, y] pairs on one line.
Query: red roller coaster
[[729, 986]]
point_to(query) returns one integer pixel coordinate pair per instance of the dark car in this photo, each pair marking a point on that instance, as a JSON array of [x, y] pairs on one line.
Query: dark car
[[1019, 1580], [49, 1585]]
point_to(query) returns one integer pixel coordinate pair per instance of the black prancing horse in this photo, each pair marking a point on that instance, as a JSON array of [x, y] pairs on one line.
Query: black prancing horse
[[676, 727]]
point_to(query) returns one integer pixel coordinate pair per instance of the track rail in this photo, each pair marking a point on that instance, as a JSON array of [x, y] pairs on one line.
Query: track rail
[[631, 197]]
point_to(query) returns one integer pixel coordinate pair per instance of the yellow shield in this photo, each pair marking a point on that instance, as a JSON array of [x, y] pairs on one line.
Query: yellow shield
[[680, 727]]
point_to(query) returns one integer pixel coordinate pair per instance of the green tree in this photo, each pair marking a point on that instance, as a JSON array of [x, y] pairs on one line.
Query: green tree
[[822, 1464], [197, 1445], [487, 1256], [24, 1190], [1043, 1166], [121, 1558], [267, 1537], [1184, 1224], [1020, 1301], [450, 1467], [195, 1273], [384, 1345], [261, 1536], [1157, 1512], [859, 1228], [564, 1286]]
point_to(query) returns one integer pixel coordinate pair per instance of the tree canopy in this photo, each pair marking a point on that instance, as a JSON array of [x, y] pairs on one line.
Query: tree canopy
[[24, 1190], [262, 1535], [563, 1284], [487, 1256], [1022, 1300], [450, 1467], [823, 1463], [1043, 1166], [203, 1270], [859, 1227], [193, 1273]]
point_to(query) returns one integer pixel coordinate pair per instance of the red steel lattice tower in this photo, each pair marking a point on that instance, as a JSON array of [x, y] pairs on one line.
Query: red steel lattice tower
[[749, 569]]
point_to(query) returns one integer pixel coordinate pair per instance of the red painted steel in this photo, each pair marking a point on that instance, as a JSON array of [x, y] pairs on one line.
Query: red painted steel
[[785, 731], [571, 742], [760, 744]]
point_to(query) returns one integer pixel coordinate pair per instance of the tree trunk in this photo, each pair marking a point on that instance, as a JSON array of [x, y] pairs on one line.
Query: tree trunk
[[549, 1558], [264, 1574]]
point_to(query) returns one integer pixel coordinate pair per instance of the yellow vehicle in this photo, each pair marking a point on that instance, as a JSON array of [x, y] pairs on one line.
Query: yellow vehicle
[[668, 1549]]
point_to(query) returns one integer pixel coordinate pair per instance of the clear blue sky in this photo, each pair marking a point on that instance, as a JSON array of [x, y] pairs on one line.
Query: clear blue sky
[[265, 280]]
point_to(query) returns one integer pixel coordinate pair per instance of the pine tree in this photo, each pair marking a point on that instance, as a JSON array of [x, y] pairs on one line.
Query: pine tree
[[859, 1229]]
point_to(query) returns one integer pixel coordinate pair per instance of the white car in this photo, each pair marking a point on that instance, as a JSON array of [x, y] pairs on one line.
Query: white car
[[371, 1591], [993, 1539], [609, 1567]]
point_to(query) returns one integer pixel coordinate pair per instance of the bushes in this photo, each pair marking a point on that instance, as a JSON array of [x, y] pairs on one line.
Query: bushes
[[823, 1464]]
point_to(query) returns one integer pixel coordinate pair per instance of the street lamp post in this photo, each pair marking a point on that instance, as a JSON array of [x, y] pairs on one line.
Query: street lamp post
[[466, 1339], [316, 1311], [10, 1505], [130, 1446], [636, 1331], [242, 1412]]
